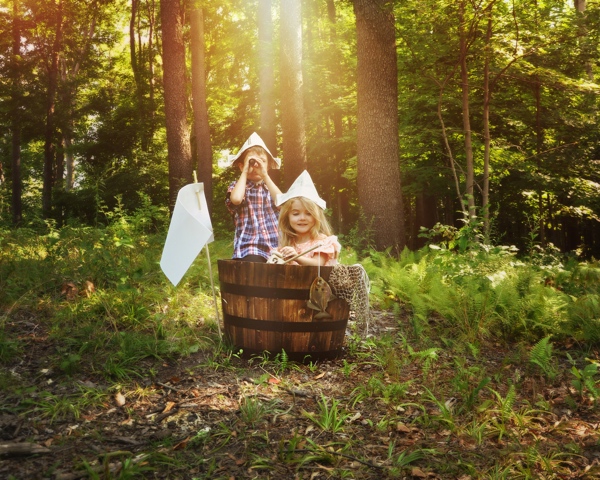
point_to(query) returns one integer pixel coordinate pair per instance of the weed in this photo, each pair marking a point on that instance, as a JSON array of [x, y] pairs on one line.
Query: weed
[[585, 379], [329, 418], [55, 408], [252, 410], [403, 459], [9, 348]]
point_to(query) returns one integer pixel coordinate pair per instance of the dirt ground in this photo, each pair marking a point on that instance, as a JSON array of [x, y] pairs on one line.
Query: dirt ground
[[193, 419]]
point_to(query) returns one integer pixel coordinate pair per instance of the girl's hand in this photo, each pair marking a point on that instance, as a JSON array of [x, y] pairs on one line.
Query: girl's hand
[[287, 252]]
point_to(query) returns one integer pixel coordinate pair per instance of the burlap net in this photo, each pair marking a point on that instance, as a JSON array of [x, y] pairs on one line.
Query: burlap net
[[351, 283]]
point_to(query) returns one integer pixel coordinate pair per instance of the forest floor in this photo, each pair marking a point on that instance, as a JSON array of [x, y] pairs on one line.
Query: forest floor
[[231, 418]]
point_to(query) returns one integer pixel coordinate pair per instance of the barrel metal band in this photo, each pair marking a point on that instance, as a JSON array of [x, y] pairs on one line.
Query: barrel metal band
[[265, 292], [281, 326]]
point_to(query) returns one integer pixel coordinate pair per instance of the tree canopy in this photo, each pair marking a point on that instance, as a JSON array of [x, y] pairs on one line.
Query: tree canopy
[[496, 120]]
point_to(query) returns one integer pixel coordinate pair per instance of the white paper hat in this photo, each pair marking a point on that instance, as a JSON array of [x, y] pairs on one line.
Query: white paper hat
[[254, 140], [303, 186]]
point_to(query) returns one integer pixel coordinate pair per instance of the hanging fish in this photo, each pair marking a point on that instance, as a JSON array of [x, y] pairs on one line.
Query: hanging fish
[[320, 295]]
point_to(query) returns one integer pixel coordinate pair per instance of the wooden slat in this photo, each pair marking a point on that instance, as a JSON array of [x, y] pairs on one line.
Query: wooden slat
[[239, 304]]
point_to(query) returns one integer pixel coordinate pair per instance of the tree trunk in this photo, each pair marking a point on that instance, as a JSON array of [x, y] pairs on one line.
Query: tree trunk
[[486, 131], [175, 98], [464, 76], [268, 118], [292, 96], [539, 134], [151, 103], [379, 187], [201, 126], [50, 131], [17, 204]]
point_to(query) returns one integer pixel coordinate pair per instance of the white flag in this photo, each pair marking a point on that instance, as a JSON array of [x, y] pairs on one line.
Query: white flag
[[189, 231]]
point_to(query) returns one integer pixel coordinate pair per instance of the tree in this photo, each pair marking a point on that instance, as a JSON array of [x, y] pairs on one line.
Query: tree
[[52, 88], [175, 97], [268, 118], [379, 186], [292, 95], [17, 205], [201, 126]]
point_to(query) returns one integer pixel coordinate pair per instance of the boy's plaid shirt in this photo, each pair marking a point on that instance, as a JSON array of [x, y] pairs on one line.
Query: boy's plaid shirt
[[255, 220]]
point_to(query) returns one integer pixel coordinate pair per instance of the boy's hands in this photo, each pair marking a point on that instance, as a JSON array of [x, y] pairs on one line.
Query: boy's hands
[[256, 164]]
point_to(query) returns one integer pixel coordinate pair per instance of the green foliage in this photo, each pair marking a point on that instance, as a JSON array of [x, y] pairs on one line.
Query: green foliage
[[541, 356], [330, 417], [585, 379]]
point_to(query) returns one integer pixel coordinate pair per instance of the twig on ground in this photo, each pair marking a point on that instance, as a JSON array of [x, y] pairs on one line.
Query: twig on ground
[[364, 462]]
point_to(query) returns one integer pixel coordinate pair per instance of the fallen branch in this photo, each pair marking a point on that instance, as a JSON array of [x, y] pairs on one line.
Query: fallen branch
[[22, 448], [364, 462]]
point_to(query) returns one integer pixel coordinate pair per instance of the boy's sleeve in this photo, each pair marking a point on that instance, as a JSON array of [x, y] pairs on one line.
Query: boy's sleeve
[[233, 208]]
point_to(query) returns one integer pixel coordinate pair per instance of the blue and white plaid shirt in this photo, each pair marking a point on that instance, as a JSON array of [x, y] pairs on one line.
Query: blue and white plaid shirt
[[255, 220]]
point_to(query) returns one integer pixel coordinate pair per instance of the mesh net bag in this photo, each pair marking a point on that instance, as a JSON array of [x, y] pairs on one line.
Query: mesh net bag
[[352, 283]]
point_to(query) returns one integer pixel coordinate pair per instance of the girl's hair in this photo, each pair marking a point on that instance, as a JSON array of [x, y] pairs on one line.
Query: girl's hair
[[287, 235]]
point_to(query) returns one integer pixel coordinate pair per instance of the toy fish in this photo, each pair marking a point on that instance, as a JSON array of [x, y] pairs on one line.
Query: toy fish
[[320, 295]]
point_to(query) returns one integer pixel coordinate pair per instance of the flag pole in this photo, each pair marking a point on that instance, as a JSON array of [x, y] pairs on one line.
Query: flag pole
[[212, 284]]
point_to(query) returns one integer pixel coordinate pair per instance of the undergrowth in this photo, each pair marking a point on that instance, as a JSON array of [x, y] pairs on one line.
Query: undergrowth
[[485, 344]]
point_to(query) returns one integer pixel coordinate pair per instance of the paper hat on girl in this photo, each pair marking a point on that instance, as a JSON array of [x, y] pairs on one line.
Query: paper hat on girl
[[303, 186], [253, 141]]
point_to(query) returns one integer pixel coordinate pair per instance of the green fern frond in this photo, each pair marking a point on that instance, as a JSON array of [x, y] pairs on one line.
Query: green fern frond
[[509, 401], [541, 355]]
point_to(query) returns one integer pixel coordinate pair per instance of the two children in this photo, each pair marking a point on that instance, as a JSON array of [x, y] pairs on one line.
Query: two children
[[302, 222]]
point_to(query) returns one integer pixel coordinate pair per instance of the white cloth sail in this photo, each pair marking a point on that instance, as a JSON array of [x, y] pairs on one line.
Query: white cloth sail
[[190, 229]]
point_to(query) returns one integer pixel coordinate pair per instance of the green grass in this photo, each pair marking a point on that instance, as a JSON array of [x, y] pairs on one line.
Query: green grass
[[483, 346]]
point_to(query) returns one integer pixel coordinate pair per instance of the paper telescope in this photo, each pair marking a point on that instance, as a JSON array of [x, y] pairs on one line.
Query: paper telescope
[[189, 231]]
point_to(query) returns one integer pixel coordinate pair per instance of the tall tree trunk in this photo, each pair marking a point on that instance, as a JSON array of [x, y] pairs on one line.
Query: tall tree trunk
[[580, 6], [379, 187], [68, 78], [539, 134], [464, 76], [17, 205], [486, 131], [201, 127], [340, 192], [268, 118], [50, 132], [151, 120], [137, 67], [175, 97], [292, 93]]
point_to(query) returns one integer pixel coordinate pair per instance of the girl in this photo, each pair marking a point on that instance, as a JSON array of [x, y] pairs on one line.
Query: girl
[[302, 225]]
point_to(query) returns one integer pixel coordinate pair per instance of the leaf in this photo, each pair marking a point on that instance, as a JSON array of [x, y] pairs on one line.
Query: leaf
[[417, 472], [320, 375], [401, 427], [119, 399]]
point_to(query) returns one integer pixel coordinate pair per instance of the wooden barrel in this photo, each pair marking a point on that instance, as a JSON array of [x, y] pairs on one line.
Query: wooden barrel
[[265, 310]]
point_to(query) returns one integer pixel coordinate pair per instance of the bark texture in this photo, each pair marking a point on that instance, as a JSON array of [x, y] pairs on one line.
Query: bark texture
[[174, 80], [292, 96], [379, 186], [201, 126]]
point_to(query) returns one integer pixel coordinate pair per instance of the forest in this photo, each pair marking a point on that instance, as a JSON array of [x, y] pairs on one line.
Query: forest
[[486, 113], [457, 145]]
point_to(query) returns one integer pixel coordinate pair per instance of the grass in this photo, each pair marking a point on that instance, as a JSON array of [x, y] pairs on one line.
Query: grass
[[484, 357]]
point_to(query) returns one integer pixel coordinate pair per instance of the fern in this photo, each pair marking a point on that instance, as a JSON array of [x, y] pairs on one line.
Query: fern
[[541, 355], [506, 404]]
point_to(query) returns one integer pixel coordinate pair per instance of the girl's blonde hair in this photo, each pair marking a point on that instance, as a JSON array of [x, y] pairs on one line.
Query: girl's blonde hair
[[287, 235]]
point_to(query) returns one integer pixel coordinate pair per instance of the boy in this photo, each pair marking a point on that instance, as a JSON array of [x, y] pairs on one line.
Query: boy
[[250, 200]]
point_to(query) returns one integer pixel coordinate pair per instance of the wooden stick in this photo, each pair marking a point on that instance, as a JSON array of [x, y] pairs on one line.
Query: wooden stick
[[212, 284], [303, 253]]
